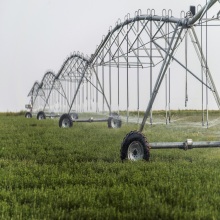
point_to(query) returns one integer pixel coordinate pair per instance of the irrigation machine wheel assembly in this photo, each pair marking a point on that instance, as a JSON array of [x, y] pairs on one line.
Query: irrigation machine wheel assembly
[[114, 121], [41, 115], [28, 115], [65, 121], [135, 147]]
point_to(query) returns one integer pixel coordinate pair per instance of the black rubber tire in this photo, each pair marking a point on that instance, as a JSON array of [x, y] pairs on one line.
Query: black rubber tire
[[41, 115], [28, 115], [114, 121], [65, 121], [132, 138], [74, 115]]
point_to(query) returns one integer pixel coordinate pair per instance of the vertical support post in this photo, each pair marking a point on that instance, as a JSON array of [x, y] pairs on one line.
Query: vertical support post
[[186, 64], [64, 95], [169, 99], [127, 80], [97, 95], [166, 98], [31, 109], [118, 78], [110, 77], [90, 91], [46, 102], [201, 51], [83, 97], [102, 90], [87, 95], [164, 67], [206, 68], [138, 76], [151, 71], [71, 88], [103, 84], [204, 63], [79, 84]]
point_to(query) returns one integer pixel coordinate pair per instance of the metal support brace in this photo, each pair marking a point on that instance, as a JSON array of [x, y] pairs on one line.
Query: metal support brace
[[78, 87], [103, 93], [189, 71], [210, 79], [161, 74], [49, 95]]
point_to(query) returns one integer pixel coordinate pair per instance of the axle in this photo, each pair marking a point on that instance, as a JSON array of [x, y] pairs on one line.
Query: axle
[[188, 144]]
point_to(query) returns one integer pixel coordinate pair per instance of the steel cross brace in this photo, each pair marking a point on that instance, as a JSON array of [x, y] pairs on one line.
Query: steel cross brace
[[161, 75]]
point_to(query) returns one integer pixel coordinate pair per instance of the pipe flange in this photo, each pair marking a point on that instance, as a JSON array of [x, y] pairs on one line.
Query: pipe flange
[[188, 144]]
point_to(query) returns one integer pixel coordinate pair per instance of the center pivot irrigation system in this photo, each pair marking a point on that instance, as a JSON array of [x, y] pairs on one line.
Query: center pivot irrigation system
[[115, 76], [71, 88]]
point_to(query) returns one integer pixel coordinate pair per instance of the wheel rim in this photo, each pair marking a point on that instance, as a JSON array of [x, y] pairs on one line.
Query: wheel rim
[[135, 151], [41, 117], [114, 123], [28, 116], [66, 123]]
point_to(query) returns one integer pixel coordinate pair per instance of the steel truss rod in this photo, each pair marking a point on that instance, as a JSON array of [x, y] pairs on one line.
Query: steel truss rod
[[128, 21], [79, 84], [173, 58], [134, 50], [103, 93], [46, 102], [164, 67], [36, 97], [115, 39], [138, 34], [75, 56], [46, 84], [34, 93], [94, 86], [63, 71], [70, 66], [199, 50], [64, 94], [49, 88], [110, 54], [113, 57], [149, 33]]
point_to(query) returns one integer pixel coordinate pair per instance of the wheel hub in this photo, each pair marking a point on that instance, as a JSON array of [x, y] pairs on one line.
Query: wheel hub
[[41, 117], [114, 123], [135, 151], [66, 123]]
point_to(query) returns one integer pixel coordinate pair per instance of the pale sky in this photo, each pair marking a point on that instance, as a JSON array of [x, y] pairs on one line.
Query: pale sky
[[38, 35]]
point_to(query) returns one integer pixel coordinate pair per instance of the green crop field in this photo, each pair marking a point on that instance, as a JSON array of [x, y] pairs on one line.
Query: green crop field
[[51, 173]]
